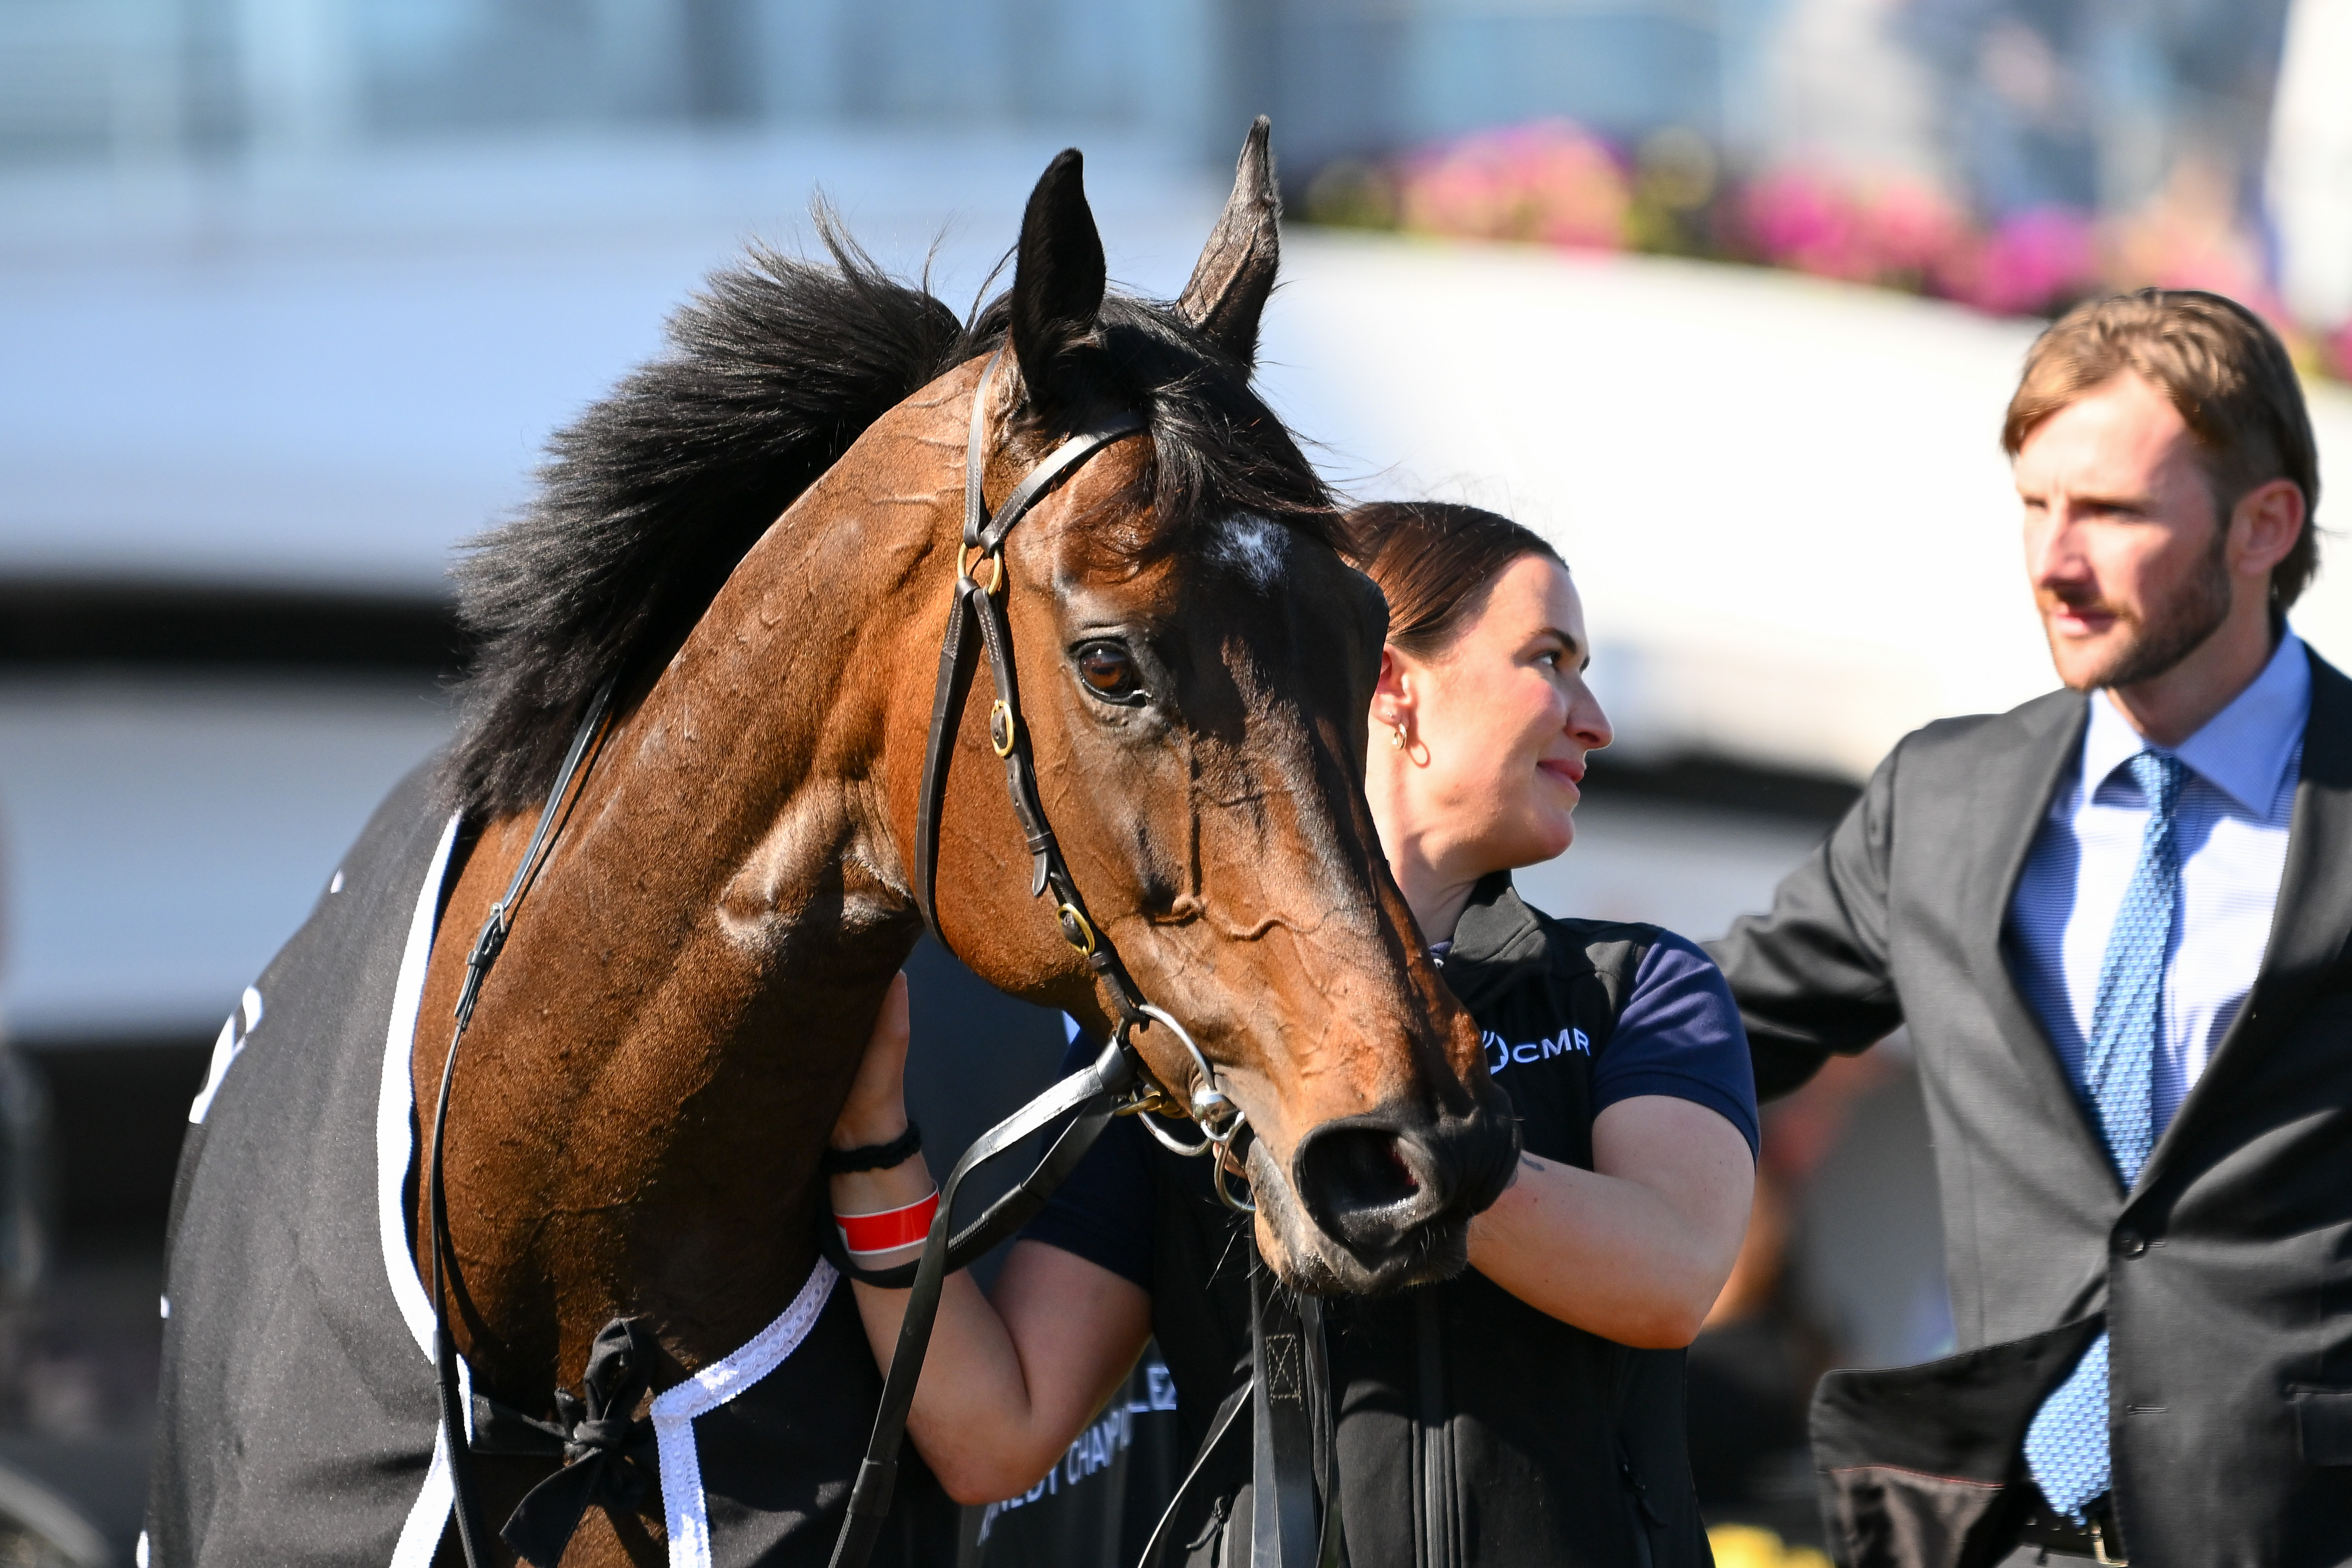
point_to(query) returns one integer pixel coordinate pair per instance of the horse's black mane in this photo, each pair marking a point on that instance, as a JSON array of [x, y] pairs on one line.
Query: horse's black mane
[[649, 499]]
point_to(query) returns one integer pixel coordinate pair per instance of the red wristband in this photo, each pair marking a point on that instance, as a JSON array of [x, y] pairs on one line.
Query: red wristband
[[865, 1234]]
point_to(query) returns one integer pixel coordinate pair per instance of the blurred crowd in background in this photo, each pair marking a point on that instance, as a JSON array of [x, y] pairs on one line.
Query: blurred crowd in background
[[2013, 155], [2014, 159], [160, 159]]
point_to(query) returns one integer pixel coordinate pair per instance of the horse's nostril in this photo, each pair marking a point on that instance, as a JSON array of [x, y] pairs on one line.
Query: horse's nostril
[[1393, 1189], [1367, 1169], [1361, 1184]]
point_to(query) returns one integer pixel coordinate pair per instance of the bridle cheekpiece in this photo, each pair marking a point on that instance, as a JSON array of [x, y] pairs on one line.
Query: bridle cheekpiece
[[977, 623]]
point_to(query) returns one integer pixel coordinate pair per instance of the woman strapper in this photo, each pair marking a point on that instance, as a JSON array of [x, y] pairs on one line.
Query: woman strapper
[[1529, 1410]]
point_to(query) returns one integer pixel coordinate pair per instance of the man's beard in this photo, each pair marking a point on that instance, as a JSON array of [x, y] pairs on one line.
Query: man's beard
[[2173, 629]]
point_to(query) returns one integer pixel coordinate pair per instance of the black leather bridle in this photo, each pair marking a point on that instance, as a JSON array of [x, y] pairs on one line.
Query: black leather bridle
[[977, 624], [1291, 1432], [1117, 1082]]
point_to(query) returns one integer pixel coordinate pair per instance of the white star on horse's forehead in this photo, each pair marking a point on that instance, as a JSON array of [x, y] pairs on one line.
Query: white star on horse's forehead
[[1255, 544]]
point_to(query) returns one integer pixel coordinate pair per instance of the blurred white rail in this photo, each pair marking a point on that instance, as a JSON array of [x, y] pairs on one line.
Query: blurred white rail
[[1783, 499]]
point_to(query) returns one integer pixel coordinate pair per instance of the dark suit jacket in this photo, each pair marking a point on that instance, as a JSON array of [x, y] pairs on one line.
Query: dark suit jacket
[[2225, 1276]]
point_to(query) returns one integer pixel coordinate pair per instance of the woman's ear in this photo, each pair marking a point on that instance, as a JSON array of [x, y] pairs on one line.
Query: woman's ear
[[1392, 695]]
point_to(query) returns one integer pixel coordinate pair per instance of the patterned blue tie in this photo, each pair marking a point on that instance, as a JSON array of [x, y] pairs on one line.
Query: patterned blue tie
[[2066, 1448]]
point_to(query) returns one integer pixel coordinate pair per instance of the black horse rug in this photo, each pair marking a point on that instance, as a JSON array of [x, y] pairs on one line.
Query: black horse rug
[[297, 1412]]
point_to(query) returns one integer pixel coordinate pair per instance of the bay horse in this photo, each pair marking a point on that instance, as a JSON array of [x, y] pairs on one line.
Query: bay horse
[[752, 541]]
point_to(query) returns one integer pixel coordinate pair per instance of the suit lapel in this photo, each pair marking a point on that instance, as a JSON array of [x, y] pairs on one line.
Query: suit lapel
[[2014, 796], [2314, 912]]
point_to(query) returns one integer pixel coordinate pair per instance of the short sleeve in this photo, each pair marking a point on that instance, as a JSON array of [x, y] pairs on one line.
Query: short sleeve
[[1678, 1034], [1103, 1211]]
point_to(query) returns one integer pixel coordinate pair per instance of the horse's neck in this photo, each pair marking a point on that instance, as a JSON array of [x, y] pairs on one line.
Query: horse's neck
[[753, 762], [674, 1021]]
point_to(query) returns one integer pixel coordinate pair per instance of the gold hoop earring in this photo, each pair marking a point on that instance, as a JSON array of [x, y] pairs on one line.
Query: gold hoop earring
[[1397, 740]]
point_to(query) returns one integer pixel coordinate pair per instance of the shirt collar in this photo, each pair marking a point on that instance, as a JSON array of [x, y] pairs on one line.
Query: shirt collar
[[1496, 932], [2244, 751]]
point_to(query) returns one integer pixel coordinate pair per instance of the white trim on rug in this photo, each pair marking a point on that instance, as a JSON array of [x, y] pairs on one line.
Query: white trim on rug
[[395, 1149], [684, 1511]]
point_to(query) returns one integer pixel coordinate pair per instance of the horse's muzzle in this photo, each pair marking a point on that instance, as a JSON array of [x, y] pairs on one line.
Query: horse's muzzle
[[1395, 1189]]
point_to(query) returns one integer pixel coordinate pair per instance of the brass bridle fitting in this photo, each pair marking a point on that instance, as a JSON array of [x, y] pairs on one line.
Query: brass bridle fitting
[[996, 559]]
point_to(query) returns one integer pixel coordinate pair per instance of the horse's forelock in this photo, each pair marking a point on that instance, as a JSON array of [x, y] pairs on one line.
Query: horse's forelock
[[1217, 452]]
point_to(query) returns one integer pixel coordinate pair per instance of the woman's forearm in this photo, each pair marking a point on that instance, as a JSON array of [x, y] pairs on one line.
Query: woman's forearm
[[1636, 1249], [1006, 1385], [1605, 1254]]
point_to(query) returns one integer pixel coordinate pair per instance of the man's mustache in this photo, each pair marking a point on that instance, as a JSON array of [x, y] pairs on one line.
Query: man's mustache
[[2053, 598]]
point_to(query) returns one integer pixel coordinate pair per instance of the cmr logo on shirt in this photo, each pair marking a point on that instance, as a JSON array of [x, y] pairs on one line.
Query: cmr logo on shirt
[[1501, 1054]]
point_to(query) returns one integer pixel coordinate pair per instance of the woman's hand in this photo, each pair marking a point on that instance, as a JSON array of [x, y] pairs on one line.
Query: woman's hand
[[876, 1111]]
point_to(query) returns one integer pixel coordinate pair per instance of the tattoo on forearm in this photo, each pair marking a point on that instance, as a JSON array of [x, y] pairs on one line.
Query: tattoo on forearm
[[1532, 1162]]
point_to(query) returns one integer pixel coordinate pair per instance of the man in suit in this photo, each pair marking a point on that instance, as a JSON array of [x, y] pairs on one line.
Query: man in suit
[[2114, 920]]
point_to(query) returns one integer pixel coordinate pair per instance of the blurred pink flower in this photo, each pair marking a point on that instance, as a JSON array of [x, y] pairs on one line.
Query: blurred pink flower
[[2033, 262], [2188, 236], [1550, 181], [1915, 226], [1878, 231], [1557, 183], [1796, 219]]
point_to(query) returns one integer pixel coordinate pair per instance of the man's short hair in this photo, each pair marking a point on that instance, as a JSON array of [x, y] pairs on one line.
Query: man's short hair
[[2227, 373]]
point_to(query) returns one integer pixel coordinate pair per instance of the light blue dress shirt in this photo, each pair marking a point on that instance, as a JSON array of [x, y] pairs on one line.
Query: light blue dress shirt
[[2231, 830]]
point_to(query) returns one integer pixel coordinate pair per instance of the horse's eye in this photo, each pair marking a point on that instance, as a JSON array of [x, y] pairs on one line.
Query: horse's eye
[[1109, 671]]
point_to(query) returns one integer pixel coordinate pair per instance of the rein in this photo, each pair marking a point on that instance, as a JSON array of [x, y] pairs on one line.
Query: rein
[[1287, 1360], [488, 945]]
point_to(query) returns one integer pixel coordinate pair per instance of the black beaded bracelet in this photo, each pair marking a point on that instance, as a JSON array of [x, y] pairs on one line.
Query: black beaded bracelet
[[872, 1157]]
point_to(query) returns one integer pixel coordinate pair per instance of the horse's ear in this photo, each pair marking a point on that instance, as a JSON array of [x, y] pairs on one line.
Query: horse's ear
[[1058, 275], [1236, 269]]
